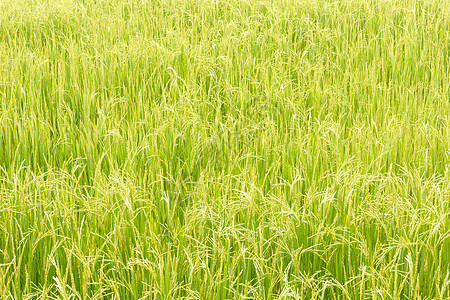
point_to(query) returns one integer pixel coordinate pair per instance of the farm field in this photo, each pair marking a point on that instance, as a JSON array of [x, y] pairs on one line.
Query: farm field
[[224, 149]]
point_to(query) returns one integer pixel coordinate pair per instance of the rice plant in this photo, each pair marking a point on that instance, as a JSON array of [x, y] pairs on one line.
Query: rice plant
[[224, 149]]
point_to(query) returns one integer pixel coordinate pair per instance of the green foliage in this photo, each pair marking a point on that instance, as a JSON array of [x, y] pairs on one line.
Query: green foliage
[[224, 149]]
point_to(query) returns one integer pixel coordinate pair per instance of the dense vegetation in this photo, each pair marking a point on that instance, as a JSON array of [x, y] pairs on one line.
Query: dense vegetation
[[230, 149]]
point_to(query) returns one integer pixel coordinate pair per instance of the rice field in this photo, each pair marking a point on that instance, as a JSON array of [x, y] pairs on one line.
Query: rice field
[[224, 149]]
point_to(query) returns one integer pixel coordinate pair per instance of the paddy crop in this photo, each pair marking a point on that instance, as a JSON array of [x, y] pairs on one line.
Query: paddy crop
[[232, 149]]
